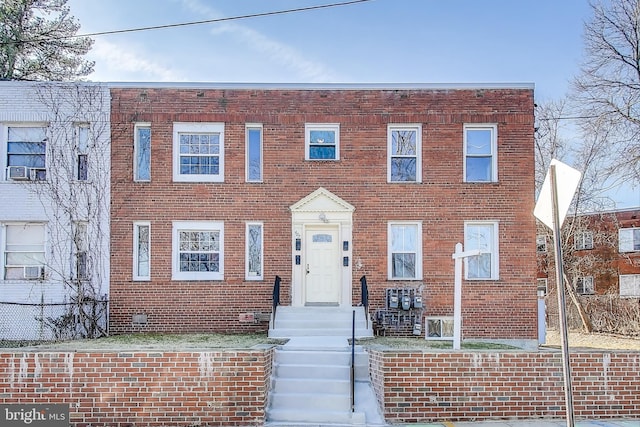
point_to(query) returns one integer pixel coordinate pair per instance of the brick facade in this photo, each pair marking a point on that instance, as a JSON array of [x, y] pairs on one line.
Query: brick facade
[[442, 201]]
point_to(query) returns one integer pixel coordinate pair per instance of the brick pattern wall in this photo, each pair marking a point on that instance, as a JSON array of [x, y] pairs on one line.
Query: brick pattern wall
[[417, 387], [217, 388], [504, 308]]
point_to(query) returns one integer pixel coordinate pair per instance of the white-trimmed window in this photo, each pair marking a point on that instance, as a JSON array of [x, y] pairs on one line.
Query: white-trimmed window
[[480, 153], [404, 250], [142, 250], [198, 152], [80, 249], [24, 251], [322, 141], [253, 137], [584, 285], [629, 285], [404, 158], [541, 244], [82, 151], [142, 152], [26, 155], [481, 235], [439, 328], [629, 239], [583, 240], [254, 251], [198, 250]]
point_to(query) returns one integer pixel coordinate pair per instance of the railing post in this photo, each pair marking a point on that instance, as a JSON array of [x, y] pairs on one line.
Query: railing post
[[276, 299], [353, 358], [364, 295]]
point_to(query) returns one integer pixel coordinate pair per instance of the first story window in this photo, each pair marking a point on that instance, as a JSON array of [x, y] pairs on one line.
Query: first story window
[[142, 250], [254, 250], [404, 250], [142, 152], [80, 246], [322, 141], [198, 152], [404, 145], [480, 157], [482, 235], [629, 239], [542, 286], [26, 153], [198, 250], [24, 251], [629, 285], [541, 244], [584, 285]]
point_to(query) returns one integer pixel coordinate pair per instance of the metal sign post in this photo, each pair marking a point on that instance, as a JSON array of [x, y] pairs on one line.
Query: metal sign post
[[458, 257], [551, 209]]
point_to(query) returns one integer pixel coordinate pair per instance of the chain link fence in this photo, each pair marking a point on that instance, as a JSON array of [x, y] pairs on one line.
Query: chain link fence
[[25, 322]]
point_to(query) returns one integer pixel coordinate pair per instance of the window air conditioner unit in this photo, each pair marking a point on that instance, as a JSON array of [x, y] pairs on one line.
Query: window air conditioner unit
[[37, 174], [18, 173], [33, 272]]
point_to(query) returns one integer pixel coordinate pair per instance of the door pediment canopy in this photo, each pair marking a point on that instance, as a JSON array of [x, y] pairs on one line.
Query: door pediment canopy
[[322, 200]]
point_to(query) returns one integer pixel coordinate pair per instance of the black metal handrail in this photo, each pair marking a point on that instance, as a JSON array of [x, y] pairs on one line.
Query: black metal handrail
[[364, 292], [353, 362], [276, 298]]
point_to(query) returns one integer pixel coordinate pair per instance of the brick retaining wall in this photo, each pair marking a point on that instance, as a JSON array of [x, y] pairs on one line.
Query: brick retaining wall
[[417, 386], [230, 387], [218, 388]]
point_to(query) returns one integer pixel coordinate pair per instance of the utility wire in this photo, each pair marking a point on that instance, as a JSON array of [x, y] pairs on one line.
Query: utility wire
[[207, 21]]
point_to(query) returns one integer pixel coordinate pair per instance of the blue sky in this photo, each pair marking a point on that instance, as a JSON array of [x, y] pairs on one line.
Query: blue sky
[[379, 41]]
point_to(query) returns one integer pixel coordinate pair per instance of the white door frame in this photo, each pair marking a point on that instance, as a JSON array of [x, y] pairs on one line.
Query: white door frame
[[321, 209]]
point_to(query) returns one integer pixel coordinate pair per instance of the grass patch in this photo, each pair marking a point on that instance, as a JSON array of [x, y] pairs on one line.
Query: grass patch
[[422, 344]]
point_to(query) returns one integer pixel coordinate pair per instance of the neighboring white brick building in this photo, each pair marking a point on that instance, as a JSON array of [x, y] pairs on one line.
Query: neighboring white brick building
[[54, 207]]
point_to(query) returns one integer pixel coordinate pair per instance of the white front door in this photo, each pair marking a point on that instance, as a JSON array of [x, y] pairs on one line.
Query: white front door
[[323, 265]]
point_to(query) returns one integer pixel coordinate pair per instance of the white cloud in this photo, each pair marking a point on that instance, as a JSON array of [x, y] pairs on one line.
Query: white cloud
[[124, 63]]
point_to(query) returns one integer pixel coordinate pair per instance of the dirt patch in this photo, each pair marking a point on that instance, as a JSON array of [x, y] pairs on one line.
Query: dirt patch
[[593, 341]]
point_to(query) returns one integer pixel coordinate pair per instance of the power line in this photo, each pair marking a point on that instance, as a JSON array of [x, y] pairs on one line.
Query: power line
[[207, 21]]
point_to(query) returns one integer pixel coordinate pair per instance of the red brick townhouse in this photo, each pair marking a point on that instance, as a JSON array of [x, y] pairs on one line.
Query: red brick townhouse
[[218, 189]]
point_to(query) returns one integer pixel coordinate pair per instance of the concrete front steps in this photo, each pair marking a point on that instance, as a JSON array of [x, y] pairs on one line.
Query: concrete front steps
[[310, 384], [319, 321]]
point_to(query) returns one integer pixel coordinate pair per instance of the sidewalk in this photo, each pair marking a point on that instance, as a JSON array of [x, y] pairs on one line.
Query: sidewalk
[[531, 423]]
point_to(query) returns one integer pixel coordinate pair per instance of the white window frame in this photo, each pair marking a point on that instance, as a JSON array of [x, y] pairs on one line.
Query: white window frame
[[631, 289], [82, 149], [197, 128], [136, 150], [583, 240], [588, 280], [415, 127], [248, 128], [3, 243], [494, 250], [178, 226], [309, 127], [253, 275], [541, 244], [136, 255], [419, 261], [441, 336], [4, 145], [627, 239], [542, 286], [494, 149]]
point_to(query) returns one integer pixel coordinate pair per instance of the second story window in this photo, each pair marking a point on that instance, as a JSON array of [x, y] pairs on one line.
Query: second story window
[[480, 157], [253, 136], [322, 141], [198, 152], [541, 244], [142, 152], [629, 239], [26, 153], [82, 147], [404, 159], [583, 240]]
